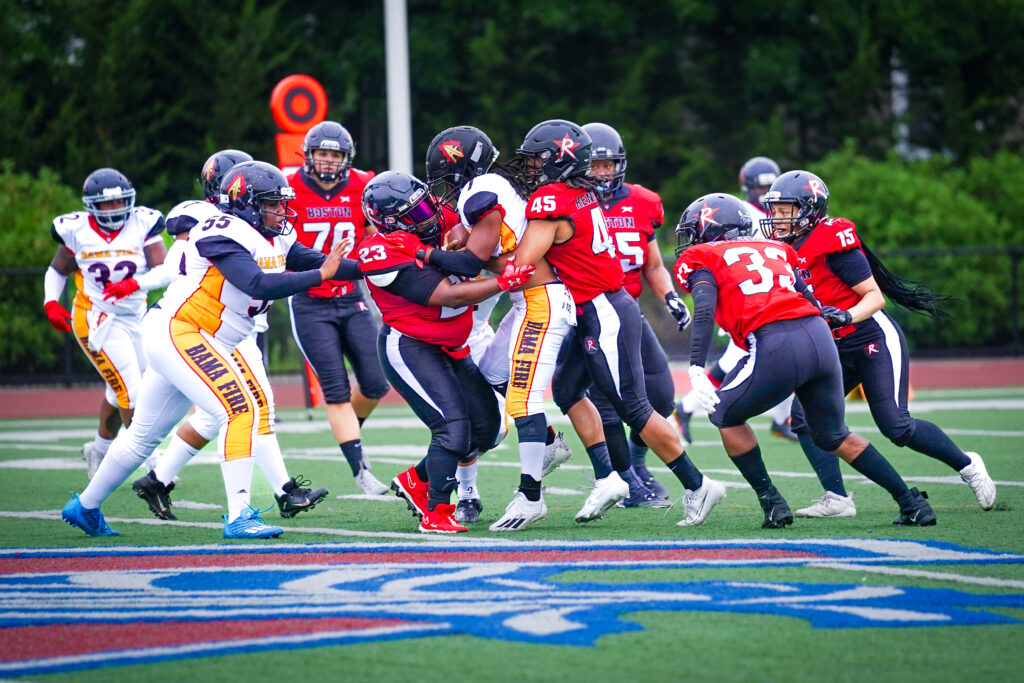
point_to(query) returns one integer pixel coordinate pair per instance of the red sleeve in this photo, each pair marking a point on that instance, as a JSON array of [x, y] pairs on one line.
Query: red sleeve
[[380, 253], [689, 261]]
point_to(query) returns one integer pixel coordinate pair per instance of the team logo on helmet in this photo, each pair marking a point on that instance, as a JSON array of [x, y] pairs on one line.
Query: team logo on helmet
[[210, 169], [237, 187], [566, 146], [707, 214], [452, 150], [816, 187]]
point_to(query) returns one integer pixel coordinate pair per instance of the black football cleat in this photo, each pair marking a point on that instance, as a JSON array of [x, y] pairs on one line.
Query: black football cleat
[[468, 511], [914, 509], [156, 495], [783, 430], [297, 499], [776, 510]]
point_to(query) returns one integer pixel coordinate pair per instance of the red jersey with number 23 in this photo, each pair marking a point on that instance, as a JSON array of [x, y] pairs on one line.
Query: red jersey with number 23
[[755, 283], [324, 219], [380, 261], [586, 262]]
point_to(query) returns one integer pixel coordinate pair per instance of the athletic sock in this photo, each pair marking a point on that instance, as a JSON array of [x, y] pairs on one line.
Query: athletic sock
[[686, 472], [875, 467], [530, 487], [618, 447], [550, 436], [825, 464], [268, 456], [929, 439], [421, 470], [532, 432], [442, 467], [113, 472], [637, 454], [101, 444], [600, 459], [466, 476], [751, 466], [172, 460], [237, 475], [353, 452]]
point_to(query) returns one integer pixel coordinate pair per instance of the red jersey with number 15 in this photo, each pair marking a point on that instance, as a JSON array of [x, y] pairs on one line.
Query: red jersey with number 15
[[633, 213], [381, 262], [755, 283], [327, 217], [586, 262]]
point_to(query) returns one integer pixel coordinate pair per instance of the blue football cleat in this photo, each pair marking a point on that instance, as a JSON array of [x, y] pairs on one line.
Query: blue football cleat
[[249, 524], [89, 521]]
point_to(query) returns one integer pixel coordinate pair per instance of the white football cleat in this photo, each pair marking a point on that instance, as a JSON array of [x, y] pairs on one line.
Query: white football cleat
[[698, 504], [370, 485], [829, 505], [976, 476], [555, 455], [92, 458], [521, 513], [606, 493]]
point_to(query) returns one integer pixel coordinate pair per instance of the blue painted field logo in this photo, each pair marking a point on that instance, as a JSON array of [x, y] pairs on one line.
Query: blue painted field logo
[[65, 610]]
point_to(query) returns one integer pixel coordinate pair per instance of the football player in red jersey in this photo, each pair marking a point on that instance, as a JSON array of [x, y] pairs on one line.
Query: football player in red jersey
[[331, 322], [567, 227], [756, 176], [851, 285], [428, 316], [748, 285], [633, 213]]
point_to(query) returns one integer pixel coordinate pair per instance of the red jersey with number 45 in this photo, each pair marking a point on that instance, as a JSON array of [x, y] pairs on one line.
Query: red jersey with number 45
[[586, 262], [755, 283], [398, 281], [828, 237], [633, 213], [327, 217]]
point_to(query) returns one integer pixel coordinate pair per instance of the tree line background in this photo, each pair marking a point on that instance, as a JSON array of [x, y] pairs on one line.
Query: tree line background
[[911, 112]]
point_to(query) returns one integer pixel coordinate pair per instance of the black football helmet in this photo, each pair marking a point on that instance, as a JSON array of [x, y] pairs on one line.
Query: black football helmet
[[563, 149], [714, 218], [607, 145], [757, 173], [214, 169], [246, 186], [398, 201], [456, 156], [810, 195], [329, 135], [104, 185]]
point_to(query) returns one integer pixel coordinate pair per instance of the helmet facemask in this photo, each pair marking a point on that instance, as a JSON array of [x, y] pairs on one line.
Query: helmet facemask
[[111, 218]]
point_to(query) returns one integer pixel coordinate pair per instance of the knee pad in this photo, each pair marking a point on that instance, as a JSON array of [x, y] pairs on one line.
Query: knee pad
[[374, 391], [532, 428], [829, 442], [206, 424], [900, 433], [567, 396]]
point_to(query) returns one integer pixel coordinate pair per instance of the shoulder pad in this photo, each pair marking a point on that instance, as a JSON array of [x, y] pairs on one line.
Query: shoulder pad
[[377, 255], [830, 236]]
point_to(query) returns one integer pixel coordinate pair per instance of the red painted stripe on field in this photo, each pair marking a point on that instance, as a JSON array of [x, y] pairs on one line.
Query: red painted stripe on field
[[23, 643], [38, 565]]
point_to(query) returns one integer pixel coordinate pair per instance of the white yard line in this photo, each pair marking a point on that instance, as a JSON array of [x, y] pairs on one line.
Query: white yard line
[[920, 574]]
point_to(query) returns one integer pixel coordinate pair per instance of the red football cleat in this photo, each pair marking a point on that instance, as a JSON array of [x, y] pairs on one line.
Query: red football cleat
[[409, 486], [440, 521]]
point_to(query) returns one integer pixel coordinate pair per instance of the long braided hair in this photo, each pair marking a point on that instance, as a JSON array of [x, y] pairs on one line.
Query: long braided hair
[[914, 296], [515, 172]]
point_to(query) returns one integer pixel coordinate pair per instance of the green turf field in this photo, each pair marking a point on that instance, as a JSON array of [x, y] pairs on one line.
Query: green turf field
[[630, 597]]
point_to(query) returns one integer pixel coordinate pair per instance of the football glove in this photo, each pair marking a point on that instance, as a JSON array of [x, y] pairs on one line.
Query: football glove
[[706, 393], [679, 311], [405, 243], [121, 289], [515, 276], [836, 317], [58, 316]]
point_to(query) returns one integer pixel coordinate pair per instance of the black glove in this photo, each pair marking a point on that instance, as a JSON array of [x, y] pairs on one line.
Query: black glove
[[678, 310], [836, 317]]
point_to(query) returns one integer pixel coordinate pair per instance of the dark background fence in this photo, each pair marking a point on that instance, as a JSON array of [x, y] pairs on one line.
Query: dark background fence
[[984, 317]]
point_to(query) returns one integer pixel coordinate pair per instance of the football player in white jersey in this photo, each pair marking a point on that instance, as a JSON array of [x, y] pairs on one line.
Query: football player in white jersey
[[235, 266], [756, 176], [526, 345], [202, 427], [114, 250]]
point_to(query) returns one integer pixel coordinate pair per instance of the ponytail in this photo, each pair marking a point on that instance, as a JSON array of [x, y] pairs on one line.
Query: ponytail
[[914, 296]]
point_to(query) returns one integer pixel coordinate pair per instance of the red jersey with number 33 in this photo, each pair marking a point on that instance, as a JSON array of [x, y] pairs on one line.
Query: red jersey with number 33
[[586, 262], [755, 283], [326, 218], [828, 237], [440, 325], [632, 214]]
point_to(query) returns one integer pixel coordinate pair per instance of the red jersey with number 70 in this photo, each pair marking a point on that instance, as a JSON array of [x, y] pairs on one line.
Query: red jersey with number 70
[[755, 283], [586, 262]]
